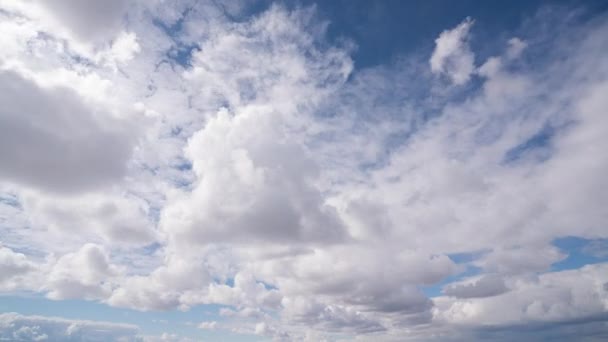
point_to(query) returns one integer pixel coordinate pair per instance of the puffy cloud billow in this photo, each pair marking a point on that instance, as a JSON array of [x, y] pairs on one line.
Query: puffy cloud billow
[[162, 156]]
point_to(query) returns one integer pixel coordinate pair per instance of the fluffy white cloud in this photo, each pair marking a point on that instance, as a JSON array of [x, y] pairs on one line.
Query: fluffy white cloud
[[87, 28], [516, 47], [14, 268], [124, 48], [116, 219], [550, 297], [179, 282], [167, 157], [452, 55], [250, 187], [86, 274], [50, 138], [88, 20]]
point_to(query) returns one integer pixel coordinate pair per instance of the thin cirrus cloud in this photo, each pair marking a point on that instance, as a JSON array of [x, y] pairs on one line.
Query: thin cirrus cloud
[[240, 171]]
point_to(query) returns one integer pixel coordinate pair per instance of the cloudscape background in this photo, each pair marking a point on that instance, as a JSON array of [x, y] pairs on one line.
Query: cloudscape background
[[299, 171]]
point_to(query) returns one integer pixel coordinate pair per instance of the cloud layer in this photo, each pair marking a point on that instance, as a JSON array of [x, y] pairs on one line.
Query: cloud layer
[[162, 157]]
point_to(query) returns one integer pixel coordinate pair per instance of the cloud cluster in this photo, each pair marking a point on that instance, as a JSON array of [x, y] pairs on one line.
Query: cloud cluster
[[13, 267], [53, 142], [16, 327], [160, 157]]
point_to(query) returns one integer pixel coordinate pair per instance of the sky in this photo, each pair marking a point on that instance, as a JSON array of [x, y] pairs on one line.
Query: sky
[[303, 171]]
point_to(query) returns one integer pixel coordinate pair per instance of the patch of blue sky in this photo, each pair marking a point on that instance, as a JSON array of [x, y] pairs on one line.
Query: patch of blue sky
[[240, 11], [151, 248], [230, 282], [267, 286], [153, 212], [177, 131], [464, 259], [183, 165], [183, 323], [10, 199], [538, 147], [172, 30], [435, 290], [182, 54], [580, 252], [182, 183], [384, 30]]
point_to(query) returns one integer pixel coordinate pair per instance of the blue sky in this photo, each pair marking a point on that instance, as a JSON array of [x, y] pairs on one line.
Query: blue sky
[[303, 171]]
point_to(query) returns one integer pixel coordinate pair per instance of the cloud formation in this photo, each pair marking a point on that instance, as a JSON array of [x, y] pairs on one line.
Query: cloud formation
[[53, 142], [452, 56], [16, 327], [161, 157]]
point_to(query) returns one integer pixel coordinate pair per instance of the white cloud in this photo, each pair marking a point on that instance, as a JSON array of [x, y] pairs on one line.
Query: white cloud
[[86, 27], [116, 219], [255, 180], [267, 175], [550, 297], [16, 327], [86, 274], [250, 187], [124, 48], [516, 47], [88, 20], [452, 55], [50, 138], [14, 269], [180, 282]]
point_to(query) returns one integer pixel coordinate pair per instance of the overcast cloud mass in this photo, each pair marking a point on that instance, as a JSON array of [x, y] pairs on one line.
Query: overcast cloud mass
[[209, 171]]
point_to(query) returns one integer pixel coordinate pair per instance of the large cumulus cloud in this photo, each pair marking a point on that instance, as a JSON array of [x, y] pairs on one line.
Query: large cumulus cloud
[[51, 138]]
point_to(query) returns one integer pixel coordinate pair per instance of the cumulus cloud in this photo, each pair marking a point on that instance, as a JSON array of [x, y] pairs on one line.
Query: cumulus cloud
[[550, 297], [86, 274], [258, 184], [265, 187], [114, 218], [85, 27], [162, 289], [14, 267], [50, 138], [452, 56], [88, 20], [123, 49]]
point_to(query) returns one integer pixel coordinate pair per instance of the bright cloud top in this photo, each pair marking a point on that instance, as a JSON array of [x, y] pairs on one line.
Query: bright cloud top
[[452, 55], [158, 157]]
